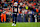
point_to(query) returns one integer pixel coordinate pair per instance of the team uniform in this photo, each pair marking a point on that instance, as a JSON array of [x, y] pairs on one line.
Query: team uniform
[[15, 11]]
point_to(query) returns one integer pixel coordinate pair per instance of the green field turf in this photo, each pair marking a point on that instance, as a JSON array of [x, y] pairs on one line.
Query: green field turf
[[22, 24]]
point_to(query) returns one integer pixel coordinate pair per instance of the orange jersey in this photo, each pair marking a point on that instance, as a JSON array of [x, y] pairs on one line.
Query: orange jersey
[[37, 10]]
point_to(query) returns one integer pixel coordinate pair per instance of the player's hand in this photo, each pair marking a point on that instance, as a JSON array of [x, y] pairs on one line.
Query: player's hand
[[17, 14]]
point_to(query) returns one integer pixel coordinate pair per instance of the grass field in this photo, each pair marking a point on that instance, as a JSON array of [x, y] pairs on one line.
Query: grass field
[[21, 24]]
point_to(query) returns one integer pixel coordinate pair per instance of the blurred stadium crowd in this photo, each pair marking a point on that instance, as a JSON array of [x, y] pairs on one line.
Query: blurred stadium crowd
[[28, 10]]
